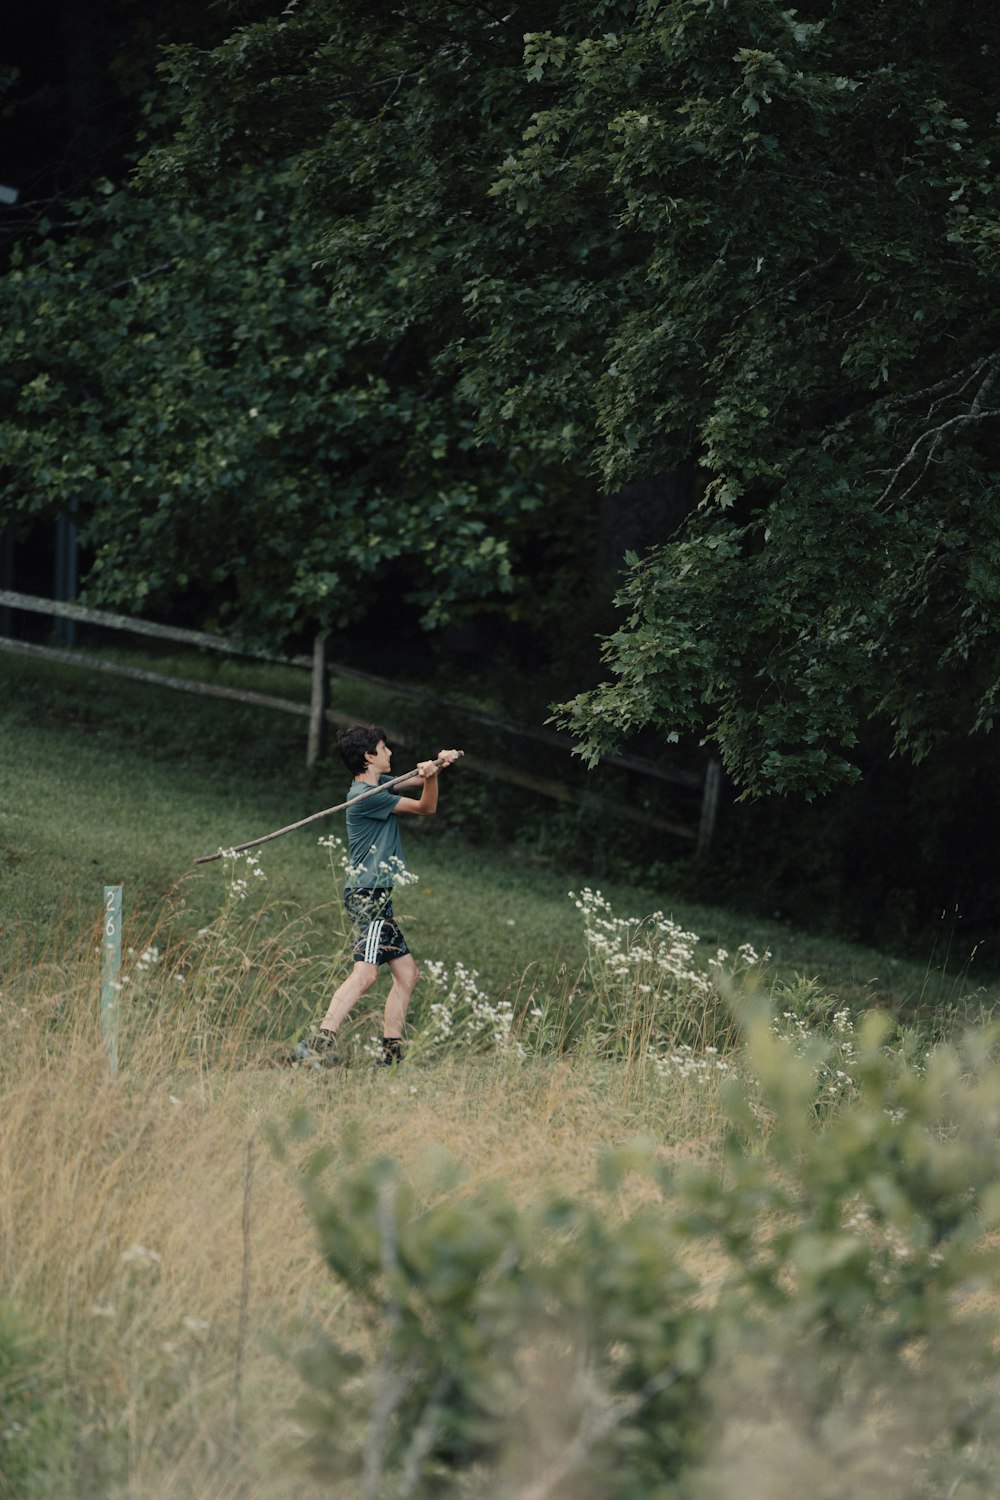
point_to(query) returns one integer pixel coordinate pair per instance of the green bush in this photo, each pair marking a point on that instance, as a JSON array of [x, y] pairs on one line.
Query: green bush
[[500, 1335], [810, 1317]]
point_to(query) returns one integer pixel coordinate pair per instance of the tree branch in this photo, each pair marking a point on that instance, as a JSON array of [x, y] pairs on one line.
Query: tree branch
[[969, 371], [977, 412], [789, 286]]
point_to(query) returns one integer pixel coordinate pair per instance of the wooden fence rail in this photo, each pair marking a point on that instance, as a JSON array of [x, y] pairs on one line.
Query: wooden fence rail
[[320, 714]]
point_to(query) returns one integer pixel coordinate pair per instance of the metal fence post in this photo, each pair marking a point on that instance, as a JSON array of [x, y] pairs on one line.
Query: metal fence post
[[111, 986]]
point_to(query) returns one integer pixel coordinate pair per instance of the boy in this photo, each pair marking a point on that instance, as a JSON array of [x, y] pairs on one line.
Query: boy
[[377, 860]]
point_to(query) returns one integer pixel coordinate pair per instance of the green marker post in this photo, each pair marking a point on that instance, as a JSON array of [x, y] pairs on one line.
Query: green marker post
[[111, 986]]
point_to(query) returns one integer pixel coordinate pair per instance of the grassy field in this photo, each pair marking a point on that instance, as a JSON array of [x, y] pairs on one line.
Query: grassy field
[[154, 1245], [104, 781]]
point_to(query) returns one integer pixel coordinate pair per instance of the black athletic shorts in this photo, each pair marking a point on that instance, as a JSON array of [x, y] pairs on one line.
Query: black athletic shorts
[[377, 938]]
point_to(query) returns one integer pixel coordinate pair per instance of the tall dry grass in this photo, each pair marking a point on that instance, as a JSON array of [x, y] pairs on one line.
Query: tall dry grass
[[122, 1216], [157, 1242]]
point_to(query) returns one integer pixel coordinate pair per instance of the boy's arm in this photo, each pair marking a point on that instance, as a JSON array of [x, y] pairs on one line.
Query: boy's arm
[[411, 781], [425, 805], [429, 768]]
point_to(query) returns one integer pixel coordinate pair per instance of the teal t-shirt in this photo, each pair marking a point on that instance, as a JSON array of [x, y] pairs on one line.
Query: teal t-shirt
[[373, 838]]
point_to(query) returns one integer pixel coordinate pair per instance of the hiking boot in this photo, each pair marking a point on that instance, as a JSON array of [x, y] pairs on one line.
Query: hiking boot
[[392, 1053], [318, 1052]]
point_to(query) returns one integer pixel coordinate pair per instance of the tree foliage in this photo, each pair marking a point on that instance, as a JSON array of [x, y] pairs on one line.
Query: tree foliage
[[731, 230], [176, 374], [814, 315], [595, 241]]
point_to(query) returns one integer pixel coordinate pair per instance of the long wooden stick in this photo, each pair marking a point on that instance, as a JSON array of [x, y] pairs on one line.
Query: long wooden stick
[[206, 859]]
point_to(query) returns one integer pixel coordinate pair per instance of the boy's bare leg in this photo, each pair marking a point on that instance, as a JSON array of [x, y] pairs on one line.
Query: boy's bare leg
[[404, 978], [347, 995]]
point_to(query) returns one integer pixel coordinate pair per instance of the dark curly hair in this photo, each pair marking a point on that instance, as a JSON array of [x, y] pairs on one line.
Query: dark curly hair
[[357, 742]]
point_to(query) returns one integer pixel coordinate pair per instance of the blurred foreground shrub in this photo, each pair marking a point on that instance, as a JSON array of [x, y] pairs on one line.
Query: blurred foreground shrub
[[818, 1316]]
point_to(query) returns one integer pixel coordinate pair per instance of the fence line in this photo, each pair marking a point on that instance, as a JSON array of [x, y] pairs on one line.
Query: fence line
[[163, 679], [560, 793], [32, 604], [319, 714], [558, 741]]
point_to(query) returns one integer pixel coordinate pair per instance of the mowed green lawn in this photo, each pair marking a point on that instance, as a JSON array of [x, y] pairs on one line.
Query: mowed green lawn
[[108, 781], [105, 781]]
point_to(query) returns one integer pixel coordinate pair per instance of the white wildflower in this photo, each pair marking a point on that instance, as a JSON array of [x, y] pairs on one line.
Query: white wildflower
[[139, 1255]]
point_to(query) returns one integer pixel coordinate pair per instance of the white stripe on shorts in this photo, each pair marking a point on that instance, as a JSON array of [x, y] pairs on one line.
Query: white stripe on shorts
[[373, 941]]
